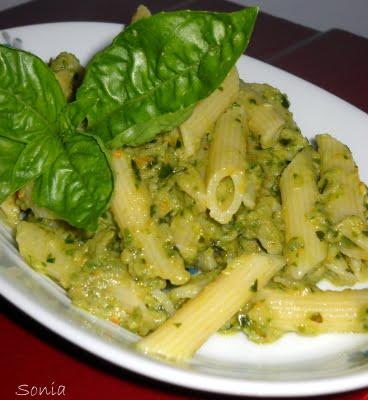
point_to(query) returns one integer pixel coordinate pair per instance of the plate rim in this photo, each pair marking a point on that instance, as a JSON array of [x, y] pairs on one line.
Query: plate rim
[[168, 373]]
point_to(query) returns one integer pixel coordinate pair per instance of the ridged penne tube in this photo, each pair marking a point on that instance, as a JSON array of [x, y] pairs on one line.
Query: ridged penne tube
[[226, 180], [182, 335], [340, 184], [355, 266], [337, 264], [354, 229], [299, 194], [313, 313], [131, 201], [130, 205], [191, 182], [207, 112], [266, 123], [352, 250]]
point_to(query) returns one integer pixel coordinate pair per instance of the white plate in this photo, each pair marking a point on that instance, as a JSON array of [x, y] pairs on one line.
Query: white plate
[[294, 366]]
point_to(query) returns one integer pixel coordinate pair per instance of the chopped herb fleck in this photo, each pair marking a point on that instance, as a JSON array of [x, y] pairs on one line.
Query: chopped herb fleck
[[320, 235], [151, 163], [152, 210], [69, 239], [136, 171], [127, 237], [252, 101], [170, 248], [284, 141], [244, 321], [238, 120], [324, 185], [220, 88], [316, 317], [50, 259], [166, 219], [165, 171], [178, 324], [285, 101], [254, 287]]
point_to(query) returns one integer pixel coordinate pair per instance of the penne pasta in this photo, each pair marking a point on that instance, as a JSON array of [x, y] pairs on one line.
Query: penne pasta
[[207, 112], [299, 193], [354, 229], [226, 180], [131, 208], [266, 123], [312, 313], [340, 184], [336, 264], [182, 335]]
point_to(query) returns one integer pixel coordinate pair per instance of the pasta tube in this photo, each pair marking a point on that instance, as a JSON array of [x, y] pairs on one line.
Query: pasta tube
[[337, 264], [312, 313], [226, 181], [354, 229], [182, 335], [207, 112], [340, 184], [299, 194], [131, 208], [266, 123]]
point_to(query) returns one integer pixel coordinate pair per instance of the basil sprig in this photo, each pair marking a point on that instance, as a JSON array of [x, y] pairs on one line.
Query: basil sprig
[[39, 141], [154, 72], [147, 81]]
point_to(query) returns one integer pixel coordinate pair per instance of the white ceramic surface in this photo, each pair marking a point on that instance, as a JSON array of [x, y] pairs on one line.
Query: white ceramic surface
[[295, 365]]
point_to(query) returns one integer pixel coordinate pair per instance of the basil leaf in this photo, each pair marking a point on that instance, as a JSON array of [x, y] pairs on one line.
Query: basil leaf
[[74, 114], [10, 150], [30, 97], [159, 67], [30, 102], [39, 141], [77, 186]]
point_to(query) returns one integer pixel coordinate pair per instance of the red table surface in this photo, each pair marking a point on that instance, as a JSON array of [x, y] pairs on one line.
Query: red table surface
[[31, 354]]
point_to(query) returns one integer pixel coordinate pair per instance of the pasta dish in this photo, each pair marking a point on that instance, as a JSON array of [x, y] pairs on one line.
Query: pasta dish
[[170, 197]]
